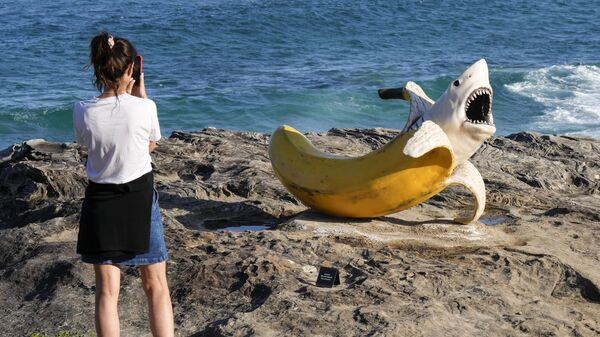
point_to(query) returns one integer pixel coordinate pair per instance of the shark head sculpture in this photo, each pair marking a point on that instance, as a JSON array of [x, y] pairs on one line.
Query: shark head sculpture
[[464, 111]]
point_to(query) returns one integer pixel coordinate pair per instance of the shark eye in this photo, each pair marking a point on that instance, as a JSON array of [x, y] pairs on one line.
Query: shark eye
[[456, 83]]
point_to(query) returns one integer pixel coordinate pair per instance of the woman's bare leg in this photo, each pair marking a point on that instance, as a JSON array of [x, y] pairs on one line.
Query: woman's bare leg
[[160, 310], [108, 282]]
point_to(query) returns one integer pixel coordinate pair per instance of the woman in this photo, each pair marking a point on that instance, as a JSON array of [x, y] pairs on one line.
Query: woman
[[120, 218]]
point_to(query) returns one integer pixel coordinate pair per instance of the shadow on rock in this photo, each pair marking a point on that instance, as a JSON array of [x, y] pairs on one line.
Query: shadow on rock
[[213, 214]]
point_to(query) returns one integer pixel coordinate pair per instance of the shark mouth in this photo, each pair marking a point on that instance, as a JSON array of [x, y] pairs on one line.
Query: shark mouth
[[479, 107]]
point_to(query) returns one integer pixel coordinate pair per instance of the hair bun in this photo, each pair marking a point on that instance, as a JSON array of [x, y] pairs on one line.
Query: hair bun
[[111, 57]]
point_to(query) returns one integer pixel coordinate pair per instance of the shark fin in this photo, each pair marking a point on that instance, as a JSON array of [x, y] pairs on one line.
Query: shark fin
[[467, 175], [419, 104], [428, 137]]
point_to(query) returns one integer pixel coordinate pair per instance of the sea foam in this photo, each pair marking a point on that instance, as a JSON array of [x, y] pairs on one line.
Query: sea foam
[[569, 94]]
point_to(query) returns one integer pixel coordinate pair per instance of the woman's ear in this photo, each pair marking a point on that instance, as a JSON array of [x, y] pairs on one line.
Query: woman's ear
[[130, 70]]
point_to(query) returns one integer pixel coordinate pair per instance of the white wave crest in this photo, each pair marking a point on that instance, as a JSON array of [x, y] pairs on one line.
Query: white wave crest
[[570, 95]]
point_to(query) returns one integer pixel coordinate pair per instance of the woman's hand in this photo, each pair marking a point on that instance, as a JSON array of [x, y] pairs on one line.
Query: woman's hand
[[152, 146], [137, 89]]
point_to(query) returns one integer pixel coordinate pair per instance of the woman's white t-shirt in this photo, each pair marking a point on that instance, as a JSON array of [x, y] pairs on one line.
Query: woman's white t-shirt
[[116, 132]]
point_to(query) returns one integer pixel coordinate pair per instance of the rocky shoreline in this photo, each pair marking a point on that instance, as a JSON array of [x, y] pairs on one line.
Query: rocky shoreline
[[529, 268]]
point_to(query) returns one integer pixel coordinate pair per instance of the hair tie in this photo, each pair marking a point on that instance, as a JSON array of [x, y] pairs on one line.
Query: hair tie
[[111, 41]]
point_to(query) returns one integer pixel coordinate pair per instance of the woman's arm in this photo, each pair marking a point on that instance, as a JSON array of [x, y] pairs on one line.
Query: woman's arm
[[137, 89], [140, 91]]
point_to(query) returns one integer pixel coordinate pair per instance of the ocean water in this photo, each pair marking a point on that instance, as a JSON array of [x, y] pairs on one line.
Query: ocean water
[[256, 64]]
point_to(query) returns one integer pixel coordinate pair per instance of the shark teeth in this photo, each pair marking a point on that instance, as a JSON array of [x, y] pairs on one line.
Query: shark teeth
[[478, 107]]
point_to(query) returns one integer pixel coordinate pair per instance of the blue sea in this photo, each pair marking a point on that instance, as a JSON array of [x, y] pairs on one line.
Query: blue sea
[[256, 64]]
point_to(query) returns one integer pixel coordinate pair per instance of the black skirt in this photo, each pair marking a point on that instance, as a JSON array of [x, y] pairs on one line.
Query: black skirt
[[115, 218]]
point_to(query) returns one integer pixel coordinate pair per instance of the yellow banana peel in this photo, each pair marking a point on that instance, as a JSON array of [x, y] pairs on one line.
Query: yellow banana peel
[[408, 170]]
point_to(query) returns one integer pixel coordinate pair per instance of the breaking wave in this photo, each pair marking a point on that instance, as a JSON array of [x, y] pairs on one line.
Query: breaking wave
[[569, 95]]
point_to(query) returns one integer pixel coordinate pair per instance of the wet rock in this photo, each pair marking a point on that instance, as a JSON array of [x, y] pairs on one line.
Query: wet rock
[[530, 268]]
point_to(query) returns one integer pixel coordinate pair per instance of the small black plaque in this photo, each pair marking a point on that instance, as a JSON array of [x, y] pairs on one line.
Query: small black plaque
[[328, 277]]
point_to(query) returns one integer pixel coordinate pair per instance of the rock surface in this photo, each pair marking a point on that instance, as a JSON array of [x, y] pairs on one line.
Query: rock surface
[[530, 268]]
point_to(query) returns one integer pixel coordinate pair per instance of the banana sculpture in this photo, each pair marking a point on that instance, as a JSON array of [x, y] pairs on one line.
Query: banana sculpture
[[429, 155]]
